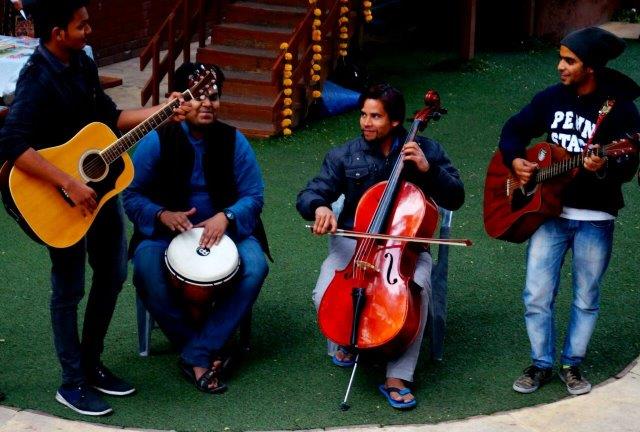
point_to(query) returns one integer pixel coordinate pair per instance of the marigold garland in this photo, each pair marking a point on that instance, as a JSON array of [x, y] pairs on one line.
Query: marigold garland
[[316, 37], [367, 10], [343, 22], [287, 89]]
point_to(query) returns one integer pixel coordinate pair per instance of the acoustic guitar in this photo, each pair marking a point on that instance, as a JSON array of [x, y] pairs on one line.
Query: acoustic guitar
[[513, 211], [95, 156]]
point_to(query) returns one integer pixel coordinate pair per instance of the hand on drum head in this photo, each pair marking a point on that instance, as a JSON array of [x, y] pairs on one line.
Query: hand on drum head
[[177, 221], [214, 229]]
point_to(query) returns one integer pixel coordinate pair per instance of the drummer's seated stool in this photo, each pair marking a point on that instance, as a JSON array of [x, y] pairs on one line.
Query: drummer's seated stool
[[146, 324]]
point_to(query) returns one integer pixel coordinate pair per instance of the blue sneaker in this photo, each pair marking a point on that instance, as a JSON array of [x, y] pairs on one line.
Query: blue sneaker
[[103, 380], [83, 400]]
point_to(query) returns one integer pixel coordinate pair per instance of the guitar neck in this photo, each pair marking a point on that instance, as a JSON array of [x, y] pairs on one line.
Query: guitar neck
[[565, 165], [128, 140]]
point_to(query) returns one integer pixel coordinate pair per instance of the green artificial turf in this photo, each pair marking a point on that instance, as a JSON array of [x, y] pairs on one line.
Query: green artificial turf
[[287, 381]]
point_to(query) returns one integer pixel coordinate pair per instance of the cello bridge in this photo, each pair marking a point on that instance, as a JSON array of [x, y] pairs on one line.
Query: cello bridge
[[363, 265]]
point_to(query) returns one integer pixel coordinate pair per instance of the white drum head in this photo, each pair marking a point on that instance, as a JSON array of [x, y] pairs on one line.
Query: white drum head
[[192, 264]]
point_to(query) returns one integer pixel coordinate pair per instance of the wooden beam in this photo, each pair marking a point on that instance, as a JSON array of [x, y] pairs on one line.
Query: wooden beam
[[468, 33], [530, 17]]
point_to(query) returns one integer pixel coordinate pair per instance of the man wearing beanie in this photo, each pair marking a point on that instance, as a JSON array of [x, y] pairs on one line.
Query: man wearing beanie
[[568, 113]]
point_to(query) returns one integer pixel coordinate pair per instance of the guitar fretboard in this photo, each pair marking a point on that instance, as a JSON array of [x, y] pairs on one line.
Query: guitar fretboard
[[565, 165], [128, 140]]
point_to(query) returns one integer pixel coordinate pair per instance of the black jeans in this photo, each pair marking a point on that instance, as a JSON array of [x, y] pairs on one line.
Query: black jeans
[[105, 245]]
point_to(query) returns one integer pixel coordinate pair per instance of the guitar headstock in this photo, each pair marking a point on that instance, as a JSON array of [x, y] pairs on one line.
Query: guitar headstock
[[203, 83], [625, 146]]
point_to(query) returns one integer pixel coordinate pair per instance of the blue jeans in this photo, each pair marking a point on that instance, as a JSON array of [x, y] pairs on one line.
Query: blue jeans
[[198, 345], [106, 246], [590, 243]]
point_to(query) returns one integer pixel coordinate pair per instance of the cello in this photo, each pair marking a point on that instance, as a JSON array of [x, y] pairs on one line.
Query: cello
[[371, 303]]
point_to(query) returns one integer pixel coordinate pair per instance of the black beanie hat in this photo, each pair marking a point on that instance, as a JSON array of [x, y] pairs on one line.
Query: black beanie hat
[[594, 46]]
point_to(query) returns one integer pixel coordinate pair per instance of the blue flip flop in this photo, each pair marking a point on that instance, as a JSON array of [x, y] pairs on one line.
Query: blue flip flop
[[386, 391], [343, 363]]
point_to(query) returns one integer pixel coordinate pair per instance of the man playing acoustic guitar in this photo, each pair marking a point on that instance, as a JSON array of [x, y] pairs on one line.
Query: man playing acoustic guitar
[[572, 115], [57, 94]]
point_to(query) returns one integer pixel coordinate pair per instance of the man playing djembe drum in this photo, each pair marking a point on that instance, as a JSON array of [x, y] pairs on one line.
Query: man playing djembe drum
[[198, 173]]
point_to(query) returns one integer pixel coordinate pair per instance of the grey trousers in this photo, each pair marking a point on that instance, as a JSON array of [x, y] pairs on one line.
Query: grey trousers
[[341, 250]]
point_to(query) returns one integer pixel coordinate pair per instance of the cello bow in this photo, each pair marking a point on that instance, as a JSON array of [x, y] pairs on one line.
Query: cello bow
[[357, 234]]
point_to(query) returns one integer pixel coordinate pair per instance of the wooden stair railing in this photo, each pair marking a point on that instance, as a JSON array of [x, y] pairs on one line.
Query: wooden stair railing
[[301, 43], [187, 18], [254, 85]]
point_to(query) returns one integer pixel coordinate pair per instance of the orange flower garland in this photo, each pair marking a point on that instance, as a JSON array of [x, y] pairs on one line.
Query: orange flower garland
[[316, 37], [367, 10], [287, 89], [343, 21]]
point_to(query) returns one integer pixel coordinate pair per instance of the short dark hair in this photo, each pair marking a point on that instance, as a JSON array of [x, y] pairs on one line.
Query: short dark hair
[[182, 76], [391, 98], [48, 14]]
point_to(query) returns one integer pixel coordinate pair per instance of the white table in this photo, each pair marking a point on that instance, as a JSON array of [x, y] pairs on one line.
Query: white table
[[14, 53]]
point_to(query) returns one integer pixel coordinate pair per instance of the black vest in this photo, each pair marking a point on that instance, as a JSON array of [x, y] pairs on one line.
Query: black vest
[[172, 178]]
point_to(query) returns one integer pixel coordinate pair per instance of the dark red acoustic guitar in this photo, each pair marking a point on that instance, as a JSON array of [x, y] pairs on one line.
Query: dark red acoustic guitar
[[513, 211]]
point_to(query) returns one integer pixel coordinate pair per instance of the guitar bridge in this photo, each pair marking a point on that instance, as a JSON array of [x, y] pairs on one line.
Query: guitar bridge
[[511, 185]]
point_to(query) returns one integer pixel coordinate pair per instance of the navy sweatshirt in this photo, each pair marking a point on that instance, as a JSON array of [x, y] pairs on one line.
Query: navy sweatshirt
[[568, 121]]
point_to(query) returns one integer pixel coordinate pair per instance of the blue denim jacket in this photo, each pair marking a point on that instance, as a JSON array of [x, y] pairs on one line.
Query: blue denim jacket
[[53, 101], [354, 167]]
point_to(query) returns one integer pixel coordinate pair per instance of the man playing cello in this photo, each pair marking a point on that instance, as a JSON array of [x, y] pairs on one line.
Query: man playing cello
[[353, 168]]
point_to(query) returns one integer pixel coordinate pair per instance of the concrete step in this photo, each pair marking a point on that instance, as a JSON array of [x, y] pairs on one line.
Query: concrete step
[[623, 30]]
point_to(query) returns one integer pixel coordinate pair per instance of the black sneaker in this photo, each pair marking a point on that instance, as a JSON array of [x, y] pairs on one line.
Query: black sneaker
[[83, 400], [103, 380], [532, 378], [576, 383]]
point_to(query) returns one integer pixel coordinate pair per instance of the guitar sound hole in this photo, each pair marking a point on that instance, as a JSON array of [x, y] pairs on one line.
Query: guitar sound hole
[[94, 168], [520, 199]]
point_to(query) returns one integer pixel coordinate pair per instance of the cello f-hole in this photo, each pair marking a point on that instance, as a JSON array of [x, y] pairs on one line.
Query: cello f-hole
[[389, 267]]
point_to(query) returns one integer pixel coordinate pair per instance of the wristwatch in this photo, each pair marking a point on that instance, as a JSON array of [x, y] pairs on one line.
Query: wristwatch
[[229, 214]]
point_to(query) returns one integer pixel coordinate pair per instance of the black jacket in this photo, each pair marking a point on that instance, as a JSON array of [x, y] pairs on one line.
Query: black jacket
[[354, 167]]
